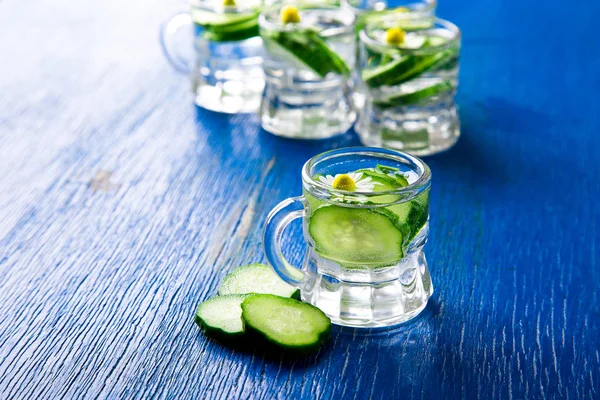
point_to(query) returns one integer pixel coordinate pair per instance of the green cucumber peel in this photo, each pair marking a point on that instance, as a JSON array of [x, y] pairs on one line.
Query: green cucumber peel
[[416, 97], [286, 324], [221, 317], [256, 278], [310, 49], [405, 68]]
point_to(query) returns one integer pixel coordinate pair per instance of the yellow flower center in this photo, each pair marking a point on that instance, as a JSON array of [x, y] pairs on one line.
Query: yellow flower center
[[289, 15], [229, 3], [402, 10], [344, 182], [394, 36]]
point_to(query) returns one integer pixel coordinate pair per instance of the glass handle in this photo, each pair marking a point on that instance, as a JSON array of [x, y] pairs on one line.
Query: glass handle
[[172, 50], [279, 218]]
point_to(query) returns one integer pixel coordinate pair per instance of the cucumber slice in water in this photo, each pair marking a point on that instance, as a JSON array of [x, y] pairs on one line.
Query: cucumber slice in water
[[433, 41], [310, 49], [286, 323], [405, 68], [221, 317], [381, 75], [256, 278], [221, 21], [394, 181], [406, 99], [227, 27], [356, 236], [234, 36], [390, 18], [419, 214]]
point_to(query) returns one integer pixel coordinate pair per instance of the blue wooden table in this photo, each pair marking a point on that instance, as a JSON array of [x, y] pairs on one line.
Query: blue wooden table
[[122, 206]]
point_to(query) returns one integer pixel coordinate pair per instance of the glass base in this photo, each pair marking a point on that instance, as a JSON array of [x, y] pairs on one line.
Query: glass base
[[229, 76], [417, 130], [392, 295], [306, 109], [229, 97]]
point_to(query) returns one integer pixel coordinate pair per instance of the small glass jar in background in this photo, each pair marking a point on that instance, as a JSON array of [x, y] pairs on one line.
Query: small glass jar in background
[[226, 70], [309, 58], [410, 14], [410, 79], [423, 7]]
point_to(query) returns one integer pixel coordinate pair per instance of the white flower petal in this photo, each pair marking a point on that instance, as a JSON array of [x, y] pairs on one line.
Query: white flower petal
[[355, 176], [328, 180], [360, 199], [413, 41]]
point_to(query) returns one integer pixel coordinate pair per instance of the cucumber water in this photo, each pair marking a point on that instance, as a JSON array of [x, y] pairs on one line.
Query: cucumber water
[[309, 49], [373, 224], [226, 26], [318, 38], [421, 68]]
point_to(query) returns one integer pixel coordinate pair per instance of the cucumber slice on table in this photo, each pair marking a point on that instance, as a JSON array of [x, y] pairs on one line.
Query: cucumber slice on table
[[410, 98], [256, 278], [286, 323], [221, 317], [356, 236], [310, 49]]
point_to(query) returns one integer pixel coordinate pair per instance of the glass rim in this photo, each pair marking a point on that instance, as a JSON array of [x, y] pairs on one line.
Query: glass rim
[[413, 6], [422, 181], [217, 7], [447, 25], [265, 23]]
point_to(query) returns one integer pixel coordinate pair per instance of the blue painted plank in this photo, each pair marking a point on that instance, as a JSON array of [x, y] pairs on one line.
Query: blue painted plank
[[122, 206]]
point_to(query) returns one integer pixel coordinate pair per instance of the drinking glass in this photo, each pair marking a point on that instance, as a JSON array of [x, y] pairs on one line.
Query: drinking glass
[[423, 7], [227, 73], [409, 14], [364, 265], [307, 66], [410, 88]]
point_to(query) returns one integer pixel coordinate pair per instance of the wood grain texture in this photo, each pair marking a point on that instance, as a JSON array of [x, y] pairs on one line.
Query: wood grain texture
[[122, 206]]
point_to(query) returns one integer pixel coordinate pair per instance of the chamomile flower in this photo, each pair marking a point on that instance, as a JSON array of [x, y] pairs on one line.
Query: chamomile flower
[[351, 182]]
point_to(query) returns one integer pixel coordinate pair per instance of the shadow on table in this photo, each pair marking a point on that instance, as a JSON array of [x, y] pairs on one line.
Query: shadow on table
[[241, 135], [344, 339], [424, 358], [494, 136]]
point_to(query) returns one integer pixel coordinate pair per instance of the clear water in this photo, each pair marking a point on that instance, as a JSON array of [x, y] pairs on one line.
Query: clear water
[[297, 102], [377, 292], [423, 125], [228, 76]]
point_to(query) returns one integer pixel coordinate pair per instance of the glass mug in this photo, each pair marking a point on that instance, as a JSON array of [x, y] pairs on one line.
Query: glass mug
[[227, 72], [412, 109], [365, 214], [308, 99], [407, 14]]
